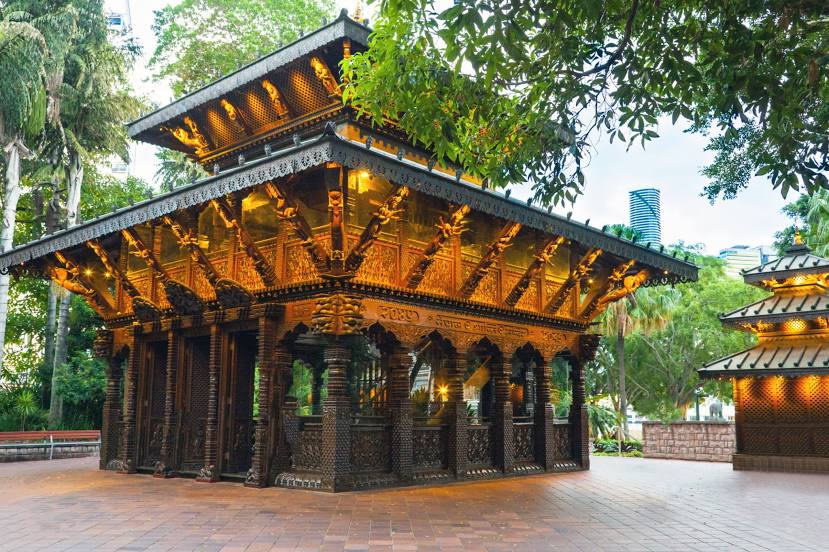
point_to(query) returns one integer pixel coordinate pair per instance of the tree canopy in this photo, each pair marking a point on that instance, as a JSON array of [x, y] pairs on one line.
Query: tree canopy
[[519, 90], [202, 40]]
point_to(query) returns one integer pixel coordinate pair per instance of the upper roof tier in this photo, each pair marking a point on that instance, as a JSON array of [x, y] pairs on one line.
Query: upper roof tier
[[797, 267], [288, 91]]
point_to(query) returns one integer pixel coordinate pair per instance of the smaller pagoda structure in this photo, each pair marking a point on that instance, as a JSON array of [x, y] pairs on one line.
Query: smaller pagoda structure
[[781, 386]]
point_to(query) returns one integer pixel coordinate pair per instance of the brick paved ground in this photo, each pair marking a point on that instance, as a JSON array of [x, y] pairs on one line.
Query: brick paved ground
[[622, 504]]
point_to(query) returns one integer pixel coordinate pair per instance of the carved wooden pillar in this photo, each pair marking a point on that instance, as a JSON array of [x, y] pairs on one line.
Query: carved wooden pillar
[[268, 362], [738, 415], [400, 363], [166, 466], [128, 445], [545, 444], [336, 420], [103, 347], [210, 472], [588, 344], [502, 417], [284, 424], [457, 418]]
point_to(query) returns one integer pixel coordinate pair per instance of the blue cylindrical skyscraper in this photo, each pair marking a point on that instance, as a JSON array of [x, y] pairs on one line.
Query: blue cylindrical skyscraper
[[645, 214]]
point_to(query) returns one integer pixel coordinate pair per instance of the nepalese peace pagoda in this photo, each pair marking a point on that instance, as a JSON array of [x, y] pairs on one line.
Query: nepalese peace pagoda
[[332, 309], [781, 386]]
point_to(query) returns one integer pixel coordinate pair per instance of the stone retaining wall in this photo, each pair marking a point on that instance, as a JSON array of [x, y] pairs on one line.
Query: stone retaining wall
[[19, 454], [706, 441]]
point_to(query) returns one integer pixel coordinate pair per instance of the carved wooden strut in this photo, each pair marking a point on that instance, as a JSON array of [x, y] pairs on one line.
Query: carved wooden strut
[[496, 249], [233, 222], [542, 257], [390, 210], [609, 286], [228, 292], [288, 210], [446, 229], [145, 310], [582, 269], [184, 300], [70, 277]]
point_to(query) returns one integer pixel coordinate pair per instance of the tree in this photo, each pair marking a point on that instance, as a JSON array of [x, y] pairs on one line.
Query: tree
[[200, 41], [176, 169], [663, 364], [817, 216], [518, 90]]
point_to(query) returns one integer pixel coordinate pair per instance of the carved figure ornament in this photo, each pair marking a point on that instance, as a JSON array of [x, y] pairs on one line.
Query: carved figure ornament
[[276, 98], [324, 75], [629, 285]]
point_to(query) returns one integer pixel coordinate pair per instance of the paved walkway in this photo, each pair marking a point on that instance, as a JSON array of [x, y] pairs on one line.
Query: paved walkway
[[622, 504]]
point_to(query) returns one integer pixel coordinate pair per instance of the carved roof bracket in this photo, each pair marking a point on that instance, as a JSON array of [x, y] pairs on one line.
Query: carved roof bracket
[[233, 222], [288, 210], [144, 309], [446, 229], [390, 210], [69, 276], [494, 252], [542, 257], [184, 300], [229, 293], [607, 290], [583, 268]]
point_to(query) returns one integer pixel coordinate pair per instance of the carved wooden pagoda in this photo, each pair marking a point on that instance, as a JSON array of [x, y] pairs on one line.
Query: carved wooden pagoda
[[781, 386], [331, 308]]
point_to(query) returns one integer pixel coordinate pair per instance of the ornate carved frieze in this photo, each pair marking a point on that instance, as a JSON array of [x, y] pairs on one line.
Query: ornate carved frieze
[[233, 222], [390, 210], [542, 257], [446, 229], [495, 250], [337, 314], [288, 210], [582, 269]]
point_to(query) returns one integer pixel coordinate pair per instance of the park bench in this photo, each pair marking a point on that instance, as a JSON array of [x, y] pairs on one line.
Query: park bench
[[49, 440]]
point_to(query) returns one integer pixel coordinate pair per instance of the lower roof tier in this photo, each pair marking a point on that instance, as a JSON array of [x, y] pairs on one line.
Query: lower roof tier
[[777, 358]]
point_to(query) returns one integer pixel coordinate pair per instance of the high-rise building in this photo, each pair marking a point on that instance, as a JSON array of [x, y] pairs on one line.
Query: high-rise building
[[119, 21], [645, 214], [118, 14], [743, 257]]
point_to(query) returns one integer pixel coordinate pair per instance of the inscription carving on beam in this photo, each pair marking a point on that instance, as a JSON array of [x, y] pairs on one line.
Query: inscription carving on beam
[[144, 309], [584, 268], [390, 210], [496, 249], [616, 276], [233, 222], [184, 300], [71, 278], [288, 210], [228, 292], [542, 257], [337, 314], [446, 229]]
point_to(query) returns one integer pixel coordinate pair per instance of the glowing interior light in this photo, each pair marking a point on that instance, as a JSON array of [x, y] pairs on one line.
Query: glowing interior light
[[87, 272]]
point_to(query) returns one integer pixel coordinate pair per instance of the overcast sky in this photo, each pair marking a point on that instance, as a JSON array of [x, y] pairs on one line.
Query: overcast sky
[[672, 163]]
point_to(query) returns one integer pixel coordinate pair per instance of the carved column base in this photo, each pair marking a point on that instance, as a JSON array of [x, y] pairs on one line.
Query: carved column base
[[504, 445], [458, 439], [545, 442], [401, 441], [336, 447], [207, 474], [163, 471], [257, 474]]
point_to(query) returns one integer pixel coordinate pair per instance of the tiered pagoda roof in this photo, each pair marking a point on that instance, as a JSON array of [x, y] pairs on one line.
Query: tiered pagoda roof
[[792, 325]]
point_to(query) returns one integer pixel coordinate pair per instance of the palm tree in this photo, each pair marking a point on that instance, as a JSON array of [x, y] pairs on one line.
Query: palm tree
[[818, 218], [647, 310]]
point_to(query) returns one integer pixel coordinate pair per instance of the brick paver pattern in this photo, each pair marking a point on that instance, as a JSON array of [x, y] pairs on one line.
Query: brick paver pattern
[[620, 505]]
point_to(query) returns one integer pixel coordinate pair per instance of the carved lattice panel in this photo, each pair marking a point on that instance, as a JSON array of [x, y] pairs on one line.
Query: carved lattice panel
[[561, 436], [301, 89], [529, 301], [370, 450], [487, 291], [142, 284], [757, 403], [438, 278], [792, 405], [246, 274], [818, 390], [380, 264], [429, 447], [256, 107], [759, 440], [307, 450], [298, 265], [524, 442], [793, 441], [479, 446], [820, 441]]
